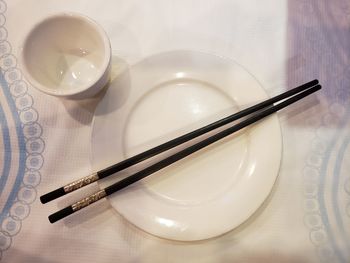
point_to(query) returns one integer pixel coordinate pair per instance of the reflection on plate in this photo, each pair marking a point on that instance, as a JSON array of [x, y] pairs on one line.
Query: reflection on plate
[[209, 192]]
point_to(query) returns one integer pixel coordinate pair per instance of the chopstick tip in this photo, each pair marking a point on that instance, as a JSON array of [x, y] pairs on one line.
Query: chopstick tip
[[60, 214], [52, 195]]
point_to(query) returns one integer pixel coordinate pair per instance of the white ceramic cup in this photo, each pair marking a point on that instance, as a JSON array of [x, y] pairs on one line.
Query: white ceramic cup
[[67, 55]]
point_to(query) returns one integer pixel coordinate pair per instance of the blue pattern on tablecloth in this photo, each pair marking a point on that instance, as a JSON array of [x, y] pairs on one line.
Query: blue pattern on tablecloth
[[322, 176], [336, 190], [7, 150], [22, 149], [27, 132]]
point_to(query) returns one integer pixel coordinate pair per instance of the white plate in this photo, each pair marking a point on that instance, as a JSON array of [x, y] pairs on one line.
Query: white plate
[[210, 192]]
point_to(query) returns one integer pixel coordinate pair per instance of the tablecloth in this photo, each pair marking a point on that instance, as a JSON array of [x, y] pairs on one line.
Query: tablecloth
[[45, 141]]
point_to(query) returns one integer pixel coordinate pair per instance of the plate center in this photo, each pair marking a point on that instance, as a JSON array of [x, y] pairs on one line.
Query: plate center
[[171, 109]]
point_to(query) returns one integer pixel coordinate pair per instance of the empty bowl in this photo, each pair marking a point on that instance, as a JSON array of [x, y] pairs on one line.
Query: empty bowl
[[67, 55]]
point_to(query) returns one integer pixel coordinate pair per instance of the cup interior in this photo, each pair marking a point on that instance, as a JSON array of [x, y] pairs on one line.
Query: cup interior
[[65, 54]]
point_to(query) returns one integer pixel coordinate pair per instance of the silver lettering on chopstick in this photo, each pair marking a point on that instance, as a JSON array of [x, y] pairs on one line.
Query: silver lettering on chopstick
[[81, 182], [89, 200]]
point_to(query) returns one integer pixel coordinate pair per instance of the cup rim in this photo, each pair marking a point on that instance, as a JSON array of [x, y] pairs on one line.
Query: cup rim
[[101, 70]]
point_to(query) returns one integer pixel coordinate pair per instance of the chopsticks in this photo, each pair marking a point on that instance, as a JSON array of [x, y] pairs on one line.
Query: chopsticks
[[261, 110], [75, 185]]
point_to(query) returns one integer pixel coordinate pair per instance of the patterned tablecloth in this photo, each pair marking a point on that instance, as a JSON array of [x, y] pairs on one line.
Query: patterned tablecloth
[[45, 141]]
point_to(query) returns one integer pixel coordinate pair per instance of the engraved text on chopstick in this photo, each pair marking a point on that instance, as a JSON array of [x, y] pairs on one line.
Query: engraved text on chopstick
[[81, 182], [89, 200]]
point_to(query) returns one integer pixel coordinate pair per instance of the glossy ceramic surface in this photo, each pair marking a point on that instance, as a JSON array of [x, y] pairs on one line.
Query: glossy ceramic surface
[[67, 55], [211, 191]]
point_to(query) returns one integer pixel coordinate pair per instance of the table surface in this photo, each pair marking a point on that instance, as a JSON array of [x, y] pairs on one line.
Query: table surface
[[45, 141]]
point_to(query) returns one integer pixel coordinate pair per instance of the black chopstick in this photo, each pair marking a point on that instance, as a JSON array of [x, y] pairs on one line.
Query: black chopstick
[[177, 156], [75, 185]]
